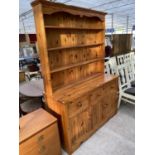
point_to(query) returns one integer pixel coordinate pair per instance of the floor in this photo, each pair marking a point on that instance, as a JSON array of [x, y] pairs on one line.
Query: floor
[[116, 137]]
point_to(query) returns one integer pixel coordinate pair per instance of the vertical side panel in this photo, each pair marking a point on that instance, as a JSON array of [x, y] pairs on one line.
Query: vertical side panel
[[42, 45]]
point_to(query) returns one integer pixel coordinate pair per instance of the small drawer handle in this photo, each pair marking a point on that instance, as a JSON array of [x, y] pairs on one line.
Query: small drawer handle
[[79, 104], [98, 95], [40, 138], [105, 105], [42, 149], [112, 87], [70, 102], [82, 123]]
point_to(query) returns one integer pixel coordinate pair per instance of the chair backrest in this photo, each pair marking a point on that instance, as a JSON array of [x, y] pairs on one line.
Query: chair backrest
[[130, 72], [113, 66], [132, 58], [125, 66], [129, 61], [127, 58], [120, 59], [123, 77]]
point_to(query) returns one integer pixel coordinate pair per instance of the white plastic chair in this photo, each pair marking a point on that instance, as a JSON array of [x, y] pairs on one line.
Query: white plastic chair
[[132, 58], [126, 92], [129, 62], [120, 59], [113, 66]]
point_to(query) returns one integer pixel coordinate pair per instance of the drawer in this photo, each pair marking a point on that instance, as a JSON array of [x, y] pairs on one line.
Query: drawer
[[96, 96], [45, 142], [78, 106], [110, 86]]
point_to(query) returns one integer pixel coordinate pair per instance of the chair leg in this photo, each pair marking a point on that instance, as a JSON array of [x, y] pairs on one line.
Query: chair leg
[[28, 77], [119, 101]]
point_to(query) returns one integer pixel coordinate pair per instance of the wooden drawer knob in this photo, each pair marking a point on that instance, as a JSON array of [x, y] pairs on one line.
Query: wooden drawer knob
[[42, 149], [105, 105], [98, 95], [112, 87], [82, 123], [79, 104], [40, 138], [70, 102]]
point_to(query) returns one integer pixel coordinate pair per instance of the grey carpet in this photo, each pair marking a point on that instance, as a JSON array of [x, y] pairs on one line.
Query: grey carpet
[[116, 137]]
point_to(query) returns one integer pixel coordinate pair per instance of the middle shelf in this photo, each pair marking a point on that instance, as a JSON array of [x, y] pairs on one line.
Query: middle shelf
[[77, 46], [75, 65], [73, 28]]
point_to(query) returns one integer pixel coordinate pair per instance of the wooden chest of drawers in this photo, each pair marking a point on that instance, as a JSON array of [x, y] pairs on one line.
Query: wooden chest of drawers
[[39, 134]]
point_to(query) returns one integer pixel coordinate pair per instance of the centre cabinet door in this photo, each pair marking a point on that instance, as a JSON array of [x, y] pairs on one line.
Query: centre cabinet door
[[80, 125]]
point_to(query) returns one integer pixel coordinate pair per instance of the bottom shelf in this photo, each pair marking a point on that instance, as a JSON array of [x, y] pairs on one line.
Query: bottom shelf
[[65, 86], [81, 87]]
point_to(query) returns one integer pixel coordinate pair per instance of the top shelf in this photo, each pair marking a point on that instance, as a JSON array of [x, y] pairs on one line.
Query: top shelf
[[73, 28]]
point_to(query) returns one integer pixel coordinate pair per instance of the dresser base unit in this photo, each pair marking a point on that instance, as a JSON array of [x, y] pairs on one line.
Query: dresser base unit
[[84, 108]]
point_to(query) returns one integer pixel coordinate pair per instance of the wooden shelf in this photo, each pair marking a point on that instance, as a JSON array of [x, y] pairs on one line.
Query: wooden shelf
[[73, 28], [75, 65], [77, 46], [65, 94], [72, 84]]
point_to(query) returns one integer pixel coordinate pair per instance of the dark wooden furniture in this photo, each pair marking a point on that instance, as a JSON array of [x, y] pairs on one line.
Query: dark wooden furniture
[[38, 134], [30, 96], [22, 76], [29, 105], [71, 46], [32, 88], [121, 43]]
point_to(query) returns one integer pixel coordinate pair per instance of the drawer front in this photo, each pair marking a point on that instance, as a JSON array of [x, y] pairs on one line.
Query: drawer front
[[96, 96], [112, 85], [99, 93], [78, 106], [45, 142]]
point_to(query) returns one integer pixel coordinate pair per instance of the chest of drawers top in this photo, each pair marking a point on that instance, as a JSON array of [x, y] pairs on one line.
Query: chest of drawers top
[[33, 123]]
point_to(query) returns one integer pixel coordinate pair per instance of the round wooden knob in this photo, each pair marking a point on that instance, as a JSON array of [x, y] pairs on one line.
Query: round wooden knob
[[79, 104]]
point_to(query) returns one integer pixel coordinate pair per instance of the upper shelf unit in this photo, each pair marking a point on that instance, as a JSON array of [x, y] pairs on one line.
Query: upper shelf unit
[[71, 44]]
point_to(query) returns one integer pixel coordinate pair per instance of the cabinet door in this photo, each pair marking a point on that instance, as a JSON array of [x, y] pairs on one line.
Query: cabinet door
[[95, 115], [79, 127], [108, 105], [103, 103]]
